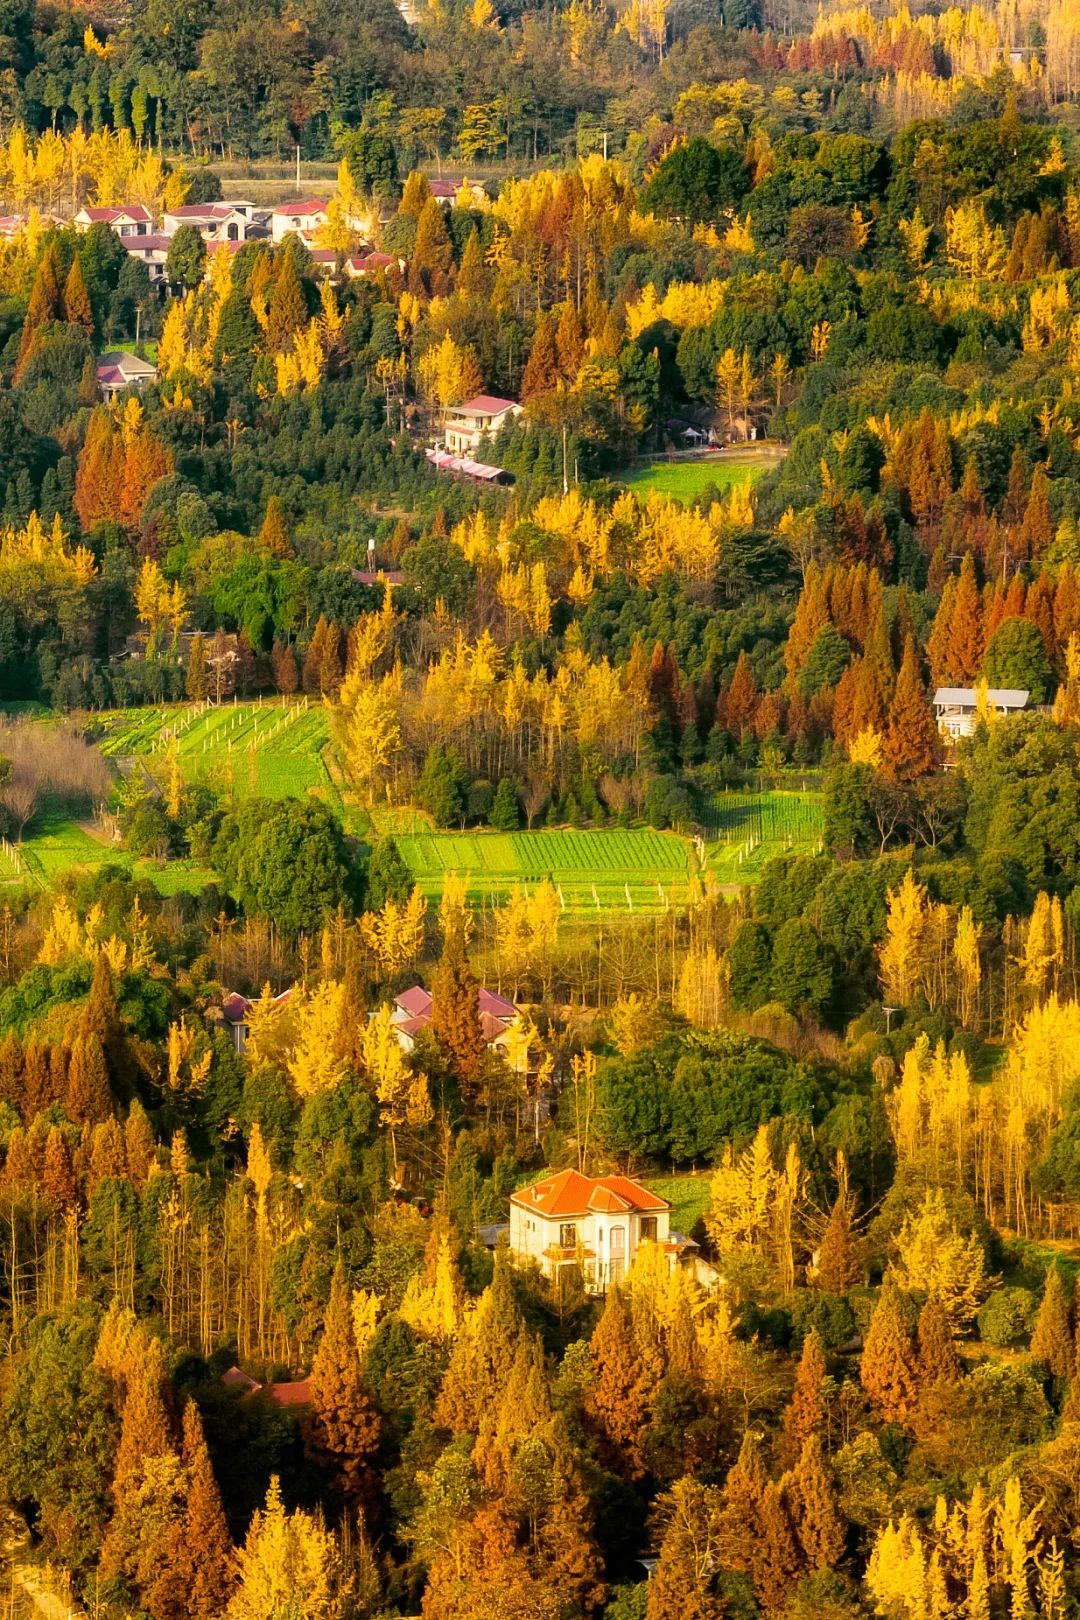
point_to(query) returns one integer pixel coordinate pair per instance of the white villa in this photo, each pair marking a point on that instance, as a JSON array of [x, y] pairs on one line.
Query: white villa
[[466, 424], [595, 1223], [956, 707]]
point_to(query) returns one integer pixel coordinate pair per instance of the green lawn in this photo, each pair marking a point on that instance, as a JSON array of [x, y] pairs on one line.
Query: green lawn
[[53, 844], [687, 480]]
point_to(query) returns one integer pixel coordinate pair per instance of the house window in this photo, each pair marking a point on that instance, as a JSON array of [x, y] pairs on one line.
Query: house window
[[648, 1229], [568, 1236]]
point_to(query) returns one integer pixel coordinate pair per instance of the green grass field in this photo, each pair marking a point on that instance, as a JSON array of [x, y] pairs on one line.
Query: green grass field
[[54, 844], [687, 480], [272, 749], [629, 869], [278, 749]]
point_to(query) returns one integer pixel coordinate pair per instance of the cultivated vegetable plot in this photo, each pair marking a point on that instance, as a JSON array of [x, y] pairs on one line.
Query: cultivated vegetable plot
[[747, 829], [273, 749], [629, 869]]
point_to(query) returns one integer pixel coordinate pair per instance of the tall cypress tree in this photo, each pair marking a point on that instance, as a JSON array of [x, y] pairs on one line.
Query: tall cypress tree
[[207, 1542], [888, 1369], [345, 1424], [619, 1400], [287, 311], [455, 1016], [911, 742], [1052, 1335], [821, 1528], [88, 1097], [78, 310], [44, 305]]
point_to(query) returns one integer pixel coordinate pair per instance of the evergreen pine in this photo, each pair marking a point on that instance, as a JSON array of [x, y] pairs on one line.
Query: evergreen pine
[[541, 368], [206, 1535], [455, 1014], [195, 677], [274, 536], [287, 311], [618, 1402], [838, 1267], [88, 1097], [807, 1406]]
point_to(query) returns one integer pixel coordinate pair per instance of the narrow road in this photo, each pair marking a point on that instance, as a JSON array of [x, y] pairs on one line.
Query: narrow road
[[40, 1591]]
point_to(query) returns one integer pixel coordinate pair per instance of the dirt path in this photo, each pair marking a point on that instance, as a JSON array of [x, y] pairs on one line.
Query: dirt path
[[42, 1591]]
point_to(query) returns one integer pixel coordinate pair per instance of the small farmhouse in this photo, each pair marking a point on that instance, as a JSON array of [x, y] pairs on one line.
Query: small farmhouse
[[595, 1223], [232, 221], [121, 370], [235, 1013], [468, 423], [412, 1013], [301, 216], [132, 220], [956, 707]]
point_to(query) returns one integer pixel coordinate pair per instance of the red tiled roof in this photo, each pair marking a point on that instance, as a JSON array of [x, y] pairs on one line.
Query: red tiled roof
[[485, 405], [443, 461], [415, 1000], [498, 1006], [235, 1378], [296, 1393], [236, 1007], [201, 211], [107, 215], [571, 1193], [146, 244], [303, 205], [495, 1011], [387, 576], [413, 1026]]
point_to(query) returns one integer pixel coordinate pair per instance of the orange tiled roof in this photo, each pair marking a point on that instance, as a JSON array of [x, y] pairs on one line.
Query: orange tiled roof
[[571, 1193]]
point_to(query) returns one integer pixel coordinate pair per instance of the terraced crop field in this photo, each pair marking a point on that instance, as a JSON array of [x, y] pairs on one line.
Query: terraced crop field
[[744, 830], [630, 869], [272, 749]]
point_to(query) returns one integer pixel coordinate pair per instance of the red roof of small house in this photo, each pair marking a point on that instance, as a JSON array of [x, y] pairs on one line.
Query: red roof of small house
[[236, 1007], [296, 1393], [571, 1193], [414, 1001], [413, 1026], [443, 461], [485, 405], [219, 210], [498, 1006], [492, 1027], [383, 576], [147, 244], [106, 216], [303, 205], [495, 1011], [236, 1378], [372, 261]]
